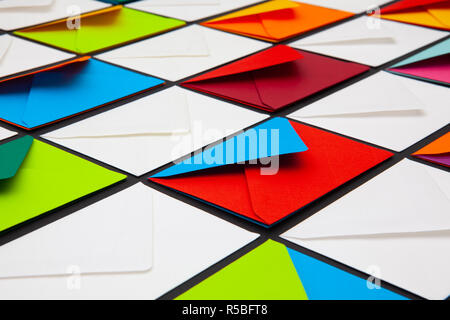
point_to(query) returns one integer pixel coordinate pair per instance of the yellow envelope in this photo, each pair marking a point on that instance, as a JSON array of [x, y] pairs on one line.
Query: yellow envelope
[[428, 13], [100, 29]]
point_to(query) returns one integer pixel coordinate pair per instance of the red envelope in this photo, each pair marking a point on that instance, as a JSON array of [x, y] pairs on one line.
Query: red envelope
[[303, 177], [275, 78]]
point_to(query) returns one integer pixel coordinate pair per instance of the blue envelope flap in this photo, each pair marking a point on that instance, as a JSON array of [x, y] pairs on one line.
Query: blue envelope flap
[[12, 155], [51, 95], [325, 282], [437, 50], [273, 137]]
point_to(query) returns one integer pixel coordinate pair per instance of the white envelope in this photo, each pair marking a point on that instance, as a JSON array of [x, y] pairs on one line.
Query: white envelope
[[356, 6], [155, 130], [5, 133], [190, 10], [385, 109], [18, 55], [368, 40], [182, 53], [15, 14], [395, 227], [136, 244]]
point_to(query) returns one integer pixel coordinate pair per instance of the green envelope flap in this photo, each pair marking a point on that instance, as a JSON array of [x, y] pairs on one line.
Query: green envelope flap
[[265, 273], [12, 155], [49, 178]]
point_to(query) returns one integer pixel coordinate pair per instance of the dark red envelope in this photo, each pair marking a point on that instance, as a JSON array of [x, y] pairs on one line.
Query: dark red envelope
[[275, 78]]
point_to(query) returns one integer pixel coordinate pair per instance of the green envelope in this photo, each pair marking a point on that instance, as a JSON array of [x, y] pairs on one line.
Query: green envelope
[[36, 178], [275, 272], [100, 29]]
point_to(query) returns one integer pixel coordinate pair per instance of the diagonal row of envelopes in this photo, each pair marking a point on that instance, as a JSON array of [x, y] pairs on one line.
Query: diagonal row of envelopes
[[212, 139]]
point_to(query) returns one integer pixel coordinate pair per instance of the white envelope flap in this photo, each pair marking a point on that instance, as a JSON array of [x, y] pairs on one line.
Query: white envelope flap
[[405, 200], [162, 113], [352, 36], [5, 43], [381, 95], [102, 238], [24, 4], [168, 3], [187, 42]]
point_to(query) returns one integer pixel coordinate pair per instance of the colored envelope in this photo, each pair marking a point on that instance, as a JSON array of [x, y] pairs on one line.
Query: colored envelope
[[356, 6], [101, 29], [369, 40], [428, 13], [190, 10], [18, 55], [396, 227], [384, 109], [270, 171], [48, 95], [182, 53], [432, 64], [126, 246], [144, 134], [275, 272], [36, 178], [277, 20], [437, 152], [15, 14], [275, 78]]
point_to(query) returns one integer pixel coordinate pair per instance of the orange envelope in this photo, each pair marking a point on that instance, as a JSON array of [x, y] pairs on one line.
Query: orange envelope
[[437, 152], [428, 13], [277, 20]]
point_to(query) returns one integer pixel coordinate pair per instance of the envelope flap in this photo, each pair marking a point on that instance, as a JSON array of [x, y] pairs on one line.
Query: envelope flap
[[192, 43], [439, 146], [136, 118], [5, 43], [409, 4], [12, 155], [271, 138], [266, 7], [440, 49], [7, 4], [102, 238], [418, 203], [268, 58], [392, 98]]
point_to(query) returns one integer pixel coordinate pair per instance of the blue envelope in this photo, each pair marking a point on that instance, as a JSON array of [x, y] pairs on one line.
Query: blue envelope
[[62, 91]]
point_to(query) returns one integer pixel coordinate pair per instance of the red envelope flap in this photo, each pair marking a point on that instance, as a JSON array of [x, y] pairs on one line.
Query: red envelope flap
[[57, 66], [291, 82], [271, 57], [409, 4], [330, 161]]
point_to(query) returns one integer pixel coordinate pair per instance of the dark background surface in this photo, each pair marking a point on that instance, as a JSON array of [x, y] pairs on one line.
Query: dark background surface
[[273, 232]]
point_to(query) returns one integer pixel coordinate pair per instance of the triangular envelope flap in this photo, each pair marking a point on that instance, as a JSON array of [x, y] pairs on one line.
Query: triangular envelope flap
[[168, 3], [352, 36], [390, 98], [265, 59], [105, 237], [12, 154], [271, 138], [187, 42], [5, 43], [408, 4], [165, 112], [326, 282], [6, 4], [439, 146], [266, 7], [404, 200], [440, 49], [442, 180]]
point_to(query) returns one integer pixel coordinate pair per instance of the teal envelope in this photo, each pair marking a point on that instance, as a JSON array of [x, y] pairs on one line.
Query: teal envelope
[[52, 94]]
